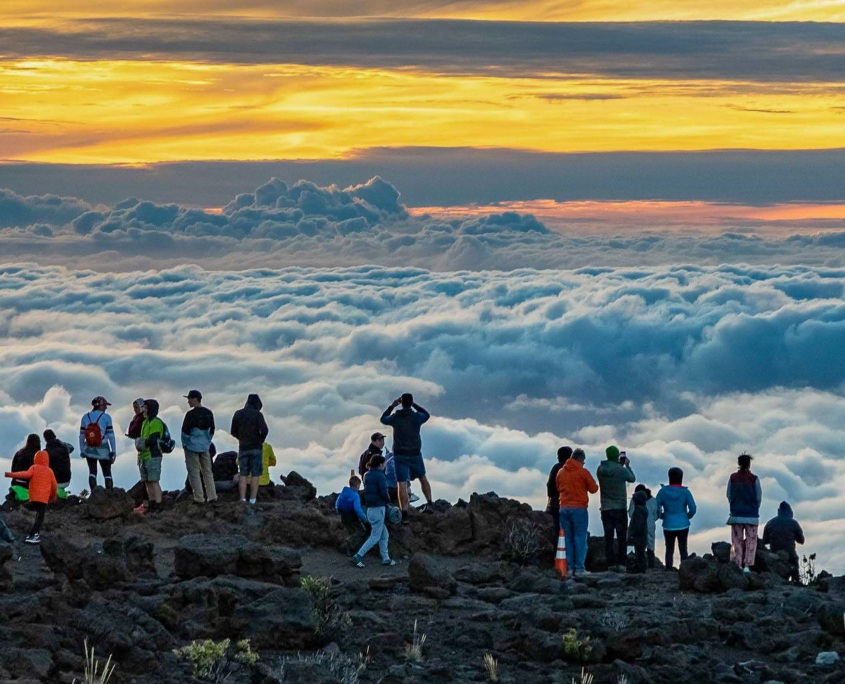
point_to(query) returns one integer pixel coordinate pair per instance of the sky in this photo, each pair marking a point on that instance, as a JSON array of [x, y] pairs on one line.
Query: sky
[[555, 222]]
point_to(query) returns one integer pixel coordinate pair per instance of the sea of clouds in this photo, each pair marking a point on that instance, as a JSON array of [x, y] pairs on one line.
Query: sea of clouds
[[513, 344]]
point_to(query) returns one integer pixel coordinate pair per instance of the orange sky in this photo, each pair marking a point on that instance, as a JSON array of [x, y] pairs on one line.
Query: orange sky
[[523, 10]]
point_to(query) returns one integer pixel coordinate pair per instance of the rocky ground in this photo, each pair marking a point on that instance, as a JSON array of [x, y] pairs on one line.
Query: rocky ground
[[473, 583]]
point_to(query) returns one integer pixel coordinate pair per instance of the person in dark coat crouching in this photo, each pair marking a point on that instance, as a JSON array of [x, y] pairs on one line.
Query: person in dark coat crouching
[[782, 533]]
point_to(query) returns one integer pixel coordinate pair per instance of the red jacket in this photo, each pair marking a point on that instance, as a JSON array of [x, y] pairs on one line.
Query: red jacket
[[573, 482], [42, 482]]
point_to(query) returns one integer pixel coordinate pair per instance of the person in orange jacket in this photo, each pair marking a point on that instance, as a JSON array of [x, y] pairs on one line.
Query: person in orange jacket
[[574, 485], [42, 491]]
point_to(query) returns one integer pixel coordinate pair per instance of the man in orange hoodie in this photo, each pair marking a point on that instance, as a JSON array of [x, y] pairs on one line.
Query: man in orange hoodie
[[574, 485], [42, 490]]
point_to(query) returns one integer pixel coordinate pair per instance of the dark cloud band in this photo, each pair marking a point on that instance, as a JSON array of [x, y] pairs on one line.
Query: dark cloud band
[[738, 51]]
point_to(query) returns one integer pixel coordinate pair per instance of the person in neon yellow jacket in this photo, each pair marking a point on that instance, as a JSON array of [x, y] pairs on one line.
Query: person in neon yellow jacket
[[268, 457]]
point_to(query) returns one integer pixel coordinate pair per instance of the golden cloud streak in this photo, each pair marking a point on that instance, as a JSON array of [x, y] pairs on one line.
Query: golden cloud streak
[[141, 112]]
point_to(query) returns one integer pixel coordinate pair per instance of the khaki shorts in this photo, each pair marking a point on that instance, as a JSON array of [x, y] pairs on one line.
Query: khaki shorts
[[150, 470]]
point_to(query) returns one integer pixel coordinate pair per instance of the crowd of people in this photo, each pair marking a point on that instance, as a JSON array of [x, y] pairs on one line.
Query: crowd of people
[[40, 476], [633, 523], [380, 492]]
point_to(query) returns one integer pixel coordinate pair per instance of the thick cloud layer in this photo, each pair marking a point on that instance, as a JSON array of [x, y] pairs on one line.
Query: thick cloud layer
[[788, 52], [304, 224], [460, 176], [684, 365]]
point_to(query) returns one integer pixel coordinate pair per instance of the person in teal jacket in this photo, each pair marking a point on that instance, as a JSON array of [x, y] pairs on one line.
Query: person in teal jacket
[[675, 507]]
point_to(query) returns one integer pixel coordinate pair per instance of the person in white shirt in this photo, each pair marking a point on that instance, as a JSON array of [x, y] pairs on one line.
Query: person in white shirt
[[97, 443]]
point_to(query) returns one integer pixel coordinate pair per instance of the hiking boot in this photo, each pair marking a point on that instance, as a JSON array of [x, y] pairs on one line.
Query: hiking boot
[[389, 562], [357, 561], [33, 539]]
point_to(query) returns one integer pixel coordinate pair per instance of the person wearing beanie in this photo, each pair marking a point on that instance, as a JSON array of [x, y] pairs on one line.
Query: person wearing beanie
[[675, 507], [781, 533], [613, 476], [553, 506], [574, 486], [651, 522], [744, 495], [42, 491]]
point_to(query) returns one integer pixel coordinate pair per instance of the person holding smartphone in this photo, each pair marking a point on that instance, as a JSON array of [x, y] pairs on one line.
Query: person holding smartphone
[[613, 476]]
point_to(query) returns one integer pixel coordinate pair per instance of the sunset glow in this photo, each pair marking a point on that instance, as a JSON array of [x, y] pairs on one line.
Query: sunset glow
[[140, 112]]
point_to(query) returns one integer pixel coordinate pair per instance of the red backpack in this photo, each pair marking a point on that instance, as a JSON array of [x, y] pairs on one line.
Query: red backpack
[[93, 433]]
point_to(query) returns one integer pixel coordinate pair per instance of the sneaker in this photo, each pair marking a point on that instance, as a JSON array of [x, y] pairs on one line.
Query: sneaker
[[746, 570], [406, 519], [426, 508], [33, 539], [357, 561], [390, 562], [413, 498], [140, 510], [581, 573]]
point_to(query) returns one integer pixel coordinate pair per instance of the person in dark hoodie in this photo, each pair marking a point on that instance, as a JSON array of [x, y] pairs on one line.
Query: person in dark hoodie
[[638, 528], [250, 429], [675, 507], [23, 460], [553, 501], [376, 499], [781, 533], [59, 459], [651, 507]]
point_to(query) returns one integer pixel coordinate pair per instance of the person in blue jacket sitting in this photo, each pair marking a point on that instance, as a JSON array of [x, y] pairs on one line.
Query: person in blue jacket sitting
[[352, 514]]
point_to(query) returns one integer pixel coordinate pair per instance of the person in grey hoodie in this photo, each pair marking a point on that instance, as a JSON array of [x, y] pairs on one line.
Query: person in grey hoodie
[[675, 507], [197, 433], [613, 476], [250, 429]]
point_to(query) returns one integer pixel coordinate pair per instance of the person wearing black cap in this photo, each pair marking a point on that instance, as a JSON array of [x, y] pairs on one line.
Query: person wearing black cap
[[97, 443], [376, 448], [197, 433]]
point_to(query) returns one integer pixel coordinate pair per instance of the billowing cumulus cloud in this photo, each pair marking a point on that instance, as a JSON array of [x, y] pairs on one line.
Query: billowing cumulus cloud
[[305, 224], [680, 365]]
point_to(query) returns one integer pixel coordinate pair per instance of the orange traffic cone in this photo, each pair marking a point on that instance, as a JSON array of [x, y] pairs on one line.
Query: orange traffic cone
[[560, 556]]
